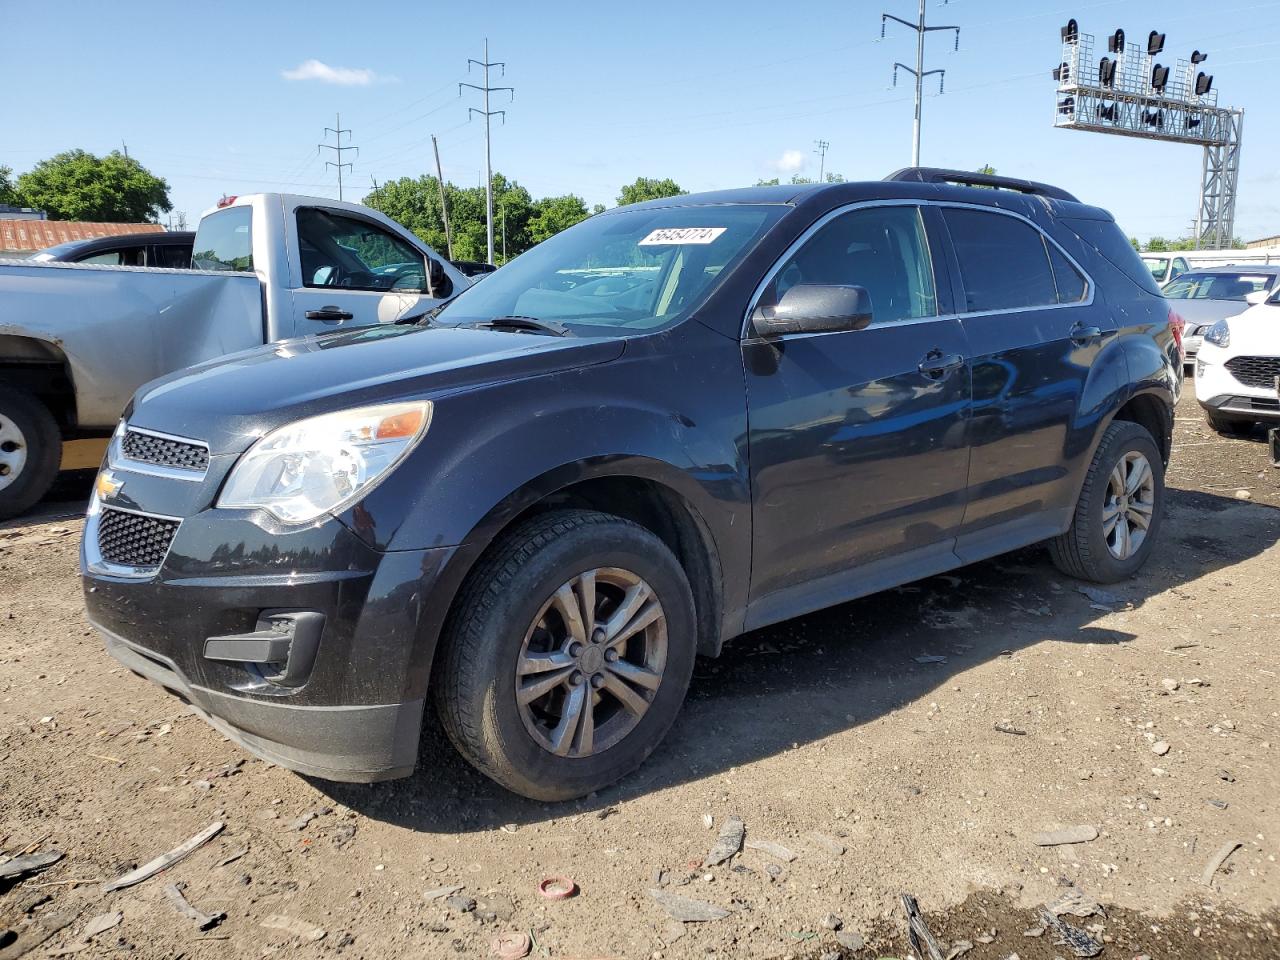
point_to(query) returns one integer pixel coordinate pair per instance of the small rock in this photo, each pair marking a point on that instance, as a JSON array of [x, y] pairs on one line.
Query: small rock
[[775, 850], [1169, 684], [1082, 833], [439, 893], [1037, 931], [460, 902], [296, 928], [1243, 494], [832, 922], [708, 821], [828, 843], [302, 822], [1160, 748], [851, 939], [101, 924], [728, 843], [687, 910]]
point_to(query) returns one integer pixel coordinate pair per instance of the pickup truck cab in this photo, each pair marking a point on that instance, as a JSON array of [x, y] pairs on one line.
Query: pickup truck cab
[[670, 424], [77, 339]]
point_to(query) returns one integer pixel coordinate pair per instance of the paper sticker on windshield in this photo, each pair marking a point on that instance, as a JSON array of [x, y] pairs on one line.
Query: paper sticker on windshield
[[669, 235]]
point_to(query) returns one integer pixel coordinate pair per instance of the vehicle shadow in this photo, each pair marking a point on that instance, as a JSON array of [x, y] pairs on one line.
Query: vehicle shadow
[[834, 670], [67, 499]]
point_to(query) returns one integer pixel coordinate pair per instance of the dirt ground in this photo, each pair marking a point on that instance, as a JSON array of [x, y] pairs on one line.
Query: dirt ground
[[915, 741]]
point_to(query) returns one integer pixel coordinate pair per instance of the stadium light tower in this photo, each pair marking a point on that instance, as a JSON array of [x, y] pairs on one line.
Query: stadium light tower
[[1127, 92]]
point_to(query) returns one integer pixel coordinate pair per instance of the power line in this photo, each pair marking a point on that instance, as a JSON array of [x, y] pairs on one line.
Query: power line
[[339, 150], [821, 151], [919, 72], [485, 64]]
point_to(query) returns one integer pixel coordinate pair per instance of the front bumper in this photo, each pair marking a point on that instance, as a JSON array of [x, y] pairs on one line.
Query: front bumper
[[356, 712], [1221, 393]]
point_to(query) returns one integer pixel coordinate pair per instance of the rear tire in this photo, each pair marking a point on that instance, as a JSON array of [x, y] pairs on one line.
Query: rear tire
[[539, 610], [1227, 426], [30, 451], [1107, 541]]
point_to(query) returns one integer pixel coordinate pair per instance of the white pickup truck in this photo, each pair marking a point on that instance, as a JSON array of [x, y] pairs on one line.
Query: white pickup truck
[[76, 340]]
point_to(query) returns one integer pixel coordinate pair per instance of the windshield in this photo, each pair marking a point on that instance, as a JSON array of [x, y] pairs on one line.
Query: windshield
[[1217, 286], [1159, 268], [619, 273]]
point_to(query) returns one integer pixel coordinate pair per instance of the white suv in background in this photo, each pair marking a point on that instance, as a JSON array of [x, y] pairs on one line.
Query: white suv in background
[[1165, 266], [1238, 367]]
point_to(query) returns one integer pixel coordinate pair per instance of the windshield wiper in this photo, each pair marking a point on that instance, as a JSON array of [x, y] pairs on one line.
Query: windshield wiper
[[520, 324], [425, 318]]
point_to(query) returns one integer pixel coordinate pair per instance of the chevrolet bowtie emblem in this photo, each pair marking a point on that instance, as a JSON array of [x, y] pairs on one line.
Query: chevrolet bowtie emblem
[[108, 486]]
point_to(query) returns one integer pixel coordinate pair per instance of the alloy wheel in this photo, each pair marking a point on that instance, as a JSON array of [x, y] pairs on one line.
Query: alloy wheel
[[591, 662], [1129, 505], [13, 451]]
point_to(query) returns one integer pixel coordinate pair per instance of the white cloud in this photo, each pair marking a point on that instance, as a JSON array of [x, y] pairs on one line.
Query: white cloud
[[791, 161], [343, 76]]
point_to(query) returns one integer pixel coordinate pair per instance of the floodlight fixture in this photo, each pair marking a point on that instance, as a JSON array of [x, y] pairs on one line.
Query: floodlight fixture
[[1204, 83], [1115, 42], [1107, 72], [1159, 78], [1197, 57], [1155, 43], [1071, 32]]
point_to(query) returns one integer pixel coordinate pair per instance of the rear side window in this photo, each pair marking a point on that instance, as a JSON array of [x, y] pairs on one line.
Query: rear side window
[[1070, 284], [1003, 262], [1113, 246], [224, 240]]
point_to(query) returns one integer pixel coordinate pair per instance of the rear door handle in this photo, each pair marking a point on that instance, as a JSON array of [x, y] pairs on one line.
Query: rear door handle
[[1082, 334], [937, 365], [329, 313]]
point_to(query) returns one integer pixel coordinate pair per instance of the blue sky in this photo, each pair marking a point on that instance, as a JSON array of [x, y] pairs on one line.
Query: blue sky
[[714, 93]]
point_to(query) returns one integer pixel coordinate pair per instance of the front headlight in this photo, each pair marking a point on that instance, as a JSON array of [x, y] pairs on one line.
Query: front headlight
[[1219, 334], [320, 465]]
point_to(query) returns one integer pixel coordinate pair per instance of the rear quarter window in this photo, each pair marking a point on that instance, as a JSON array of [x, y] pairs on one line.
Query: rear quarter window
[[224, 240], [1110, 243]]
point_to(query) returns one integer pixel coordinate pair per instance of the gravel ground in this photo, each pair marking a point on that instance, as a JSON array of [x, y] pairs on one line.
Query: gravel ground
[[916, 741]]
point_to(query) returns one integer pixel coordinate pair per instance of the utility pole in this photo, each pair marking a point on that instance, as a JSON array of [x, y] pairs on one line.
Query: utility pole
[[821, 151], [126, 149], [919, 72], [444, 206], [376, 196], [485, 64], [504, 231], [339, 150]]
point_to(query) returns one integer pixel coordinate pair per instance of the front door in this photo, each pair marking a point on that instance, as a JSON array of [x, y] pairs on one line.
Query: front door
[[354, 273], [858, 446]]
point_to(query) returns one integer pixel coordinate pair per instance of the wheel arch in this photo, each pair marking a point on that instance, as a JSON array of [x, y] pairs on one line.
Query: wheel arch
[[41, 368]]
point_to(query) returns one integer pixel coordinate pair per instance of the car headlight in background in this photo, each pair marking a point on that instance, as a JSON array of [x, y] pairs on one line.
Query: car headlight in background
[[1219, 334], [320, 465]]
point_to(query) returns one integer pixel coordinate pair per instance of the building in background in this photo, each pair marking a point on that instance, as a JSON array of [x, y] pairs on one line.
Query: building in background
[[22, 236], [9, 212]]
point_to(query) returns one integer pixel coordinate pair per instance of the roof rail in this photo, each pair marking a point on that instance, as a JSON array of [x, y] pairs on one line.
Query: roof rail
[[970, 179]]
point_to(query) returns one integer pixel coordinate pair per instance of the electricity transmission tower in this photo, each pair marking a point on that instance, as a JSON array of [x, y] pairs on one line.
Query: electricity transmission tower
[[919, 72], [339, 150], [821, 151], [485, 64]]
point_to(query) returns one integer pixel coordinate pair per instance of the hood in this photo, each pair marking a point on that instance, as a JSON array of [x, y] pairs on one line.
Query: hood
[[1199, 313], [229, 401], [1256, 332]]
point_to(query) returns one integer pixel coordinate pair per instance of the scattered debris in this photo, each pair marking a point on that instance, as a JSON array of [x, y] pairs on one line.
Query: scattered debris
[[1036, 931], [511, 946], [1075, 939], [1077, 903], [294, 927], [1004, 726], [1226, 775], [686, 909], [1054, 838], [232, 858], [1100, 596], [1217, 860], [958, 948], [205, 921], [1220, 804], [492, 909], [775, 850], [832, 922], [830, 844], [851, 939], [460, 902], [557, 888], [101, 924], [30, 863], [166, 860], [728, 843], [1160, 748], [439, 893], [1169, 684], [918, 934], [303, 821], [708, 821]]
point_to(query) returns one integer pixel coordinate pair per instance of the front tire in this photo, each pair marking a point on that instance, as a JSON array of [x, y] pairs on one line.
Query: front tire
[[1118, 515], [568, 655], [30, 451]]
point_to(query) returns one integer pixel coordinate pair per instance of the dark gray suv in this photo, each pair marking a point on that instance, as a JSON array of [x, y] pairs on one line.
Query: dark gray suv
[[673, 423]]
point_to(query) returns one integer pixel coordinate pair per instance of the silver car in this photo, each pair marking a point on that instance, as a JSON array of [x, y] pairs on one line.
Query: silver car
[[1206, 295]]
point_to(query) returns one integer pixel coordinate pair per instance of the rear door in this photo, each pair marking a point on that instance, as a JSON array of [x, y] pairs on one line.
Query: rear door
[[857, 439], [352, 271], [1028, 315]]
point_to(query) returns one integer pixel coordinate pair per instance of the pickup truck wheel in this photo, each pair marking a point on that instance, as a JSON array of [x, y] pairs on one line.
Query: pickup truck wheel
[[30, 451], [1119, 512], [568, 654]]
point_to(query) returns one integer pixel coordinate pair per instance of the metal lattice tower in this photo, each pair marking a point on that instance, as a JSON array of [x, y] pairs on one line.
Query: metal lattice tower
[[919, 72], [1129, 105], [485, 64], [337, 132]]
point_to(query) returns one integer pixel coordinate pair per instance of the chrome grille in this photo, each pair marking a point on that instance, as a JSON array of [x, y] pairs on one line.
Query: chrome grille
[[134, 539], [1255, 371], [166, 452]]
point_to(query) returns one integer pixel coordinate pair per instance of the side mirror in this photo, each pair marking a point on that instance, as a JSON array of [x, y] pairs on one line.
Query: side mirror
[[438, 283], [815, 308], [1257, 297]]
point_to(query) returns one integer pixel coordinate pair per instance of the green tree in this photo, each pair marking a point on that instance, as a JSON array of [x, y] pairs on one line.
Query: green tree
[[553, 214], [76, 185], [988, 169], [647, 188], [1157, 245], [8, 191]]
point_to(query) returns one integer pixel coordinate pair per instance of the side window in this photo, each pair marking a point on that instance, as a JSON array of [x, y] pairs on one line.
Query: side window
[[882, 249], [340, 251], [1070, 284], [224, 240], [172, 257], [111, 258], [1003, 262], [1179, 266]]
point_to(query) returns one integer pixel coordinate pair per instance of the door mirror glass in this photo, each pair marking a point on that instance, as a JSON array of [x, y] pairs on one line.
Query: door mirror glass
[[815, 308]]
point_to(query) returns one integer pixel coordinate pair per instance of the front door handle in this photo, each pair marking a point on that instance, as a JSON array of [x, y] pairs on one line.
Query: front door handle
[[1082, 334], [329, 313], [937, 365]]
